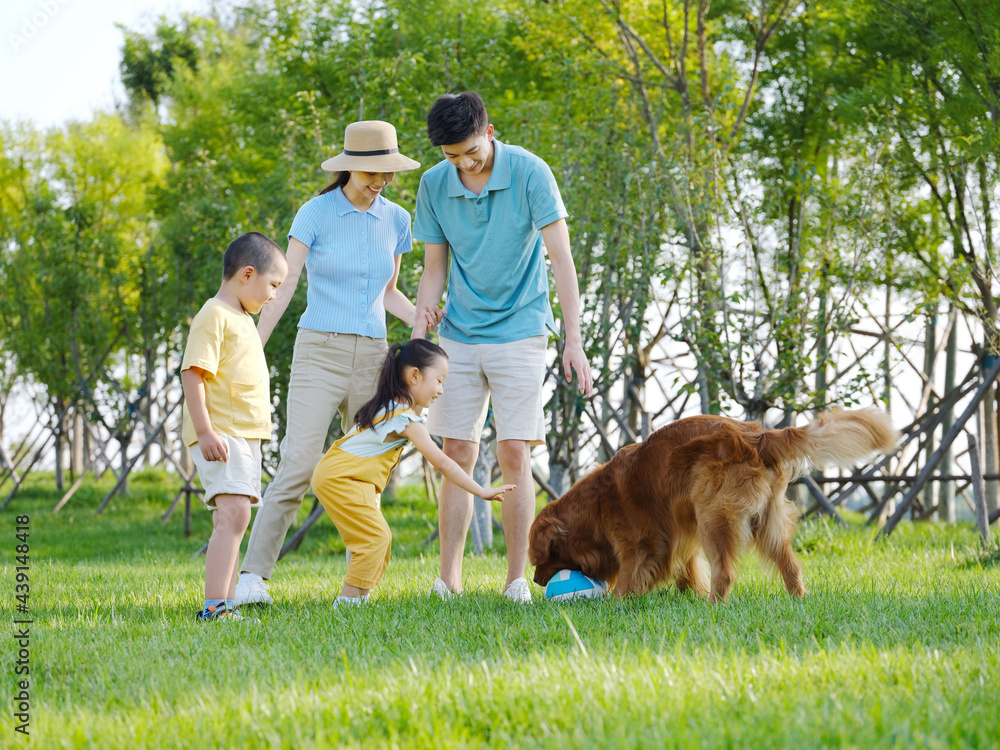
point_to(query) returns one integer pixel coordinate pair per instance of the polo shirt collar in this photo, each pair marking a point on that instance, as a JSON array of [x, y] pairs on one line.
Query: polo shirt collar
[[343, 205], [499, 178]]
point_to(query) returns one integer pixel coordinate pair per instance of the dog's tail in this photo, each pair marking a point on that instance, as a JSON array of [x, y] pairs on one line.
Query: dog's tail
[[837, 437]]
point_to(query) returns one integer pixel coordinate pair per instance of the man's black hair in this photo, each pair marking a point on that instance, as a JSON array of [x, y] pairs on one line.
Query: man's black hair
[[250, 249], [455, 118]]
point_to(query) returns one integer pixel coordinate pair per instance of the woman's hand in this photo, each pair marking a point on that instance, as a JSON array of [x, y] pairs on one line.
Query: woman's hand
[[432, 316]]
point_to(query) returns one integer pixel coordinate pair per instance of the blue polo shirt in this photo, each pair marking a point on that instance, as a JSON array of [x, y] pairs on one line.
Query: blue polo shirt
[[351, 259], [498, 287]]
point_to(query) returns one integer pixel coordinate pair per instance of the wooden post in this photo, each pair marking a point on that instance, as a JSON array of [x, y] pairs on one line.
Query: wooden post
[[295, 540], [824, 503], [8, 463], [127, 466], [945, 442]]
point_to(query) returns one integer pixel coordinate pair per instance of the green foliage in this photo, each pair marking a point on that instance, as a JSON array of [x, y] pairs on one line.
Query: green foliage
[[78, 260], [148, 63]]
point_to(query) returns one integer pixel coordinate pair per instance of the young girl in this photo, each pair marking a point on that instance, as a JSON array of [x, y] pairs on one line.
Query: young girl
[[357, 467]]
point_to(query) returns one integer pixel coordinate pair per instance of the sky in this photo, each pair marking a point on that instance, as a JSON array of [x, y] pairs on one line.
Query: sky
[[59, 58]]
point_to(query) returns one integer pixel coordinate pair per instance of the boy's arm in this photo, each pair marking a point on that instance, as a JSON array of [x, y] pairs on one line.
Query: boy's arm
[[213, 447], [556, 239], [432, 282], [422, 441], [272, 312]]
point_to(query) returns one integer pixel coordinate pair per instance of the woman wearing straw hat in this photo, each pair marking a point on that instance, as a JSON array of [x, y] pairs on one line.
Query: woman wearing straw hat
[[350, 239]]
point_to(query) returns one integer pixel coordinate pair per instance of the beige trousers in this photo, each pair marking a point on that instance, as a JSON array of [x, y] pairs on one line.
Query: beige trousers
[[331, 373]]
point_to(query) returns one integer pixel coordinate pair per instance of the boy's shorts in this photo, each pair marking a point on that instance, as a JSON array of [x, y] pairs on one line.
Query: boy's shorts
[[239, 476], [512, 373]]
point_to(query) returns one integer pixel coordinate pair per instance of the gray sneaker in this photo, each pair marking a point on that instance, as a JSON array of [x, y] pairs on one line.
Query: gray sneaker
[[251, 589], [518, 591]]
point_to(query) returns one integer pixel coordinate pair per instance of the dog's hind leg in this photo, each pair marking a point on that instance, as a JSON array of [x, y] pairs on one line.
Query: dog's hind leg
[[690, 569], [695, 576], [720, 543], [772, 537]]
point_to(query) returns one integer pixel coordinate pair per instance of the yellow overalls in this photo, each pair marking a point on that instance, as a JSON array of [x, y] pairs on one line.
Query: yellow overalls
[[347, 486]]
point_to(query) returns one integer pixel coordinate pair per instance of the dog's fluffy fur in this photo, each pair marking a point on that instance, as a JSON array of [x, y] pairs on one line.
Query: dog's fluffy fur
[[702, 484]]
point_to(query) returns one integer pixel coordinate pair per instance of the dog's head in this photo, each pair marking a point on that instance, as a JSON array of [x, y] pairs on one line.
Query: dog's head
[[547, 545]]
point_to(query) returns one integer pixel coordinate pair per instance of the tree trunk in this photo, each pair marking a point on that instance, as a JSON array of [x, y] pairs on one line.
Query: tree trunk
[[77, 463], [123, 443], [989, 439], [822, 344], [930, 493], [60, 434], [947, 492], [558, 475], [890, 507], [887, 351], [482, 512], [146, 404]]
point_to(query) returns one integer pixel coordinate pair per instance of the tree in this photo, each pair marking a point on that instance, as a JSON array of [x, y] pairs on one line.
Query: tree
[[77, 252]]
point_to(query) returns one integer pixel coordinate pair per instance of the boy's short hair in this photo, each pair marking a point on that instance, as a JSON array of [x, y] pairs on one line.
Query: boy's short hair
[[455, 118], [250, 249]]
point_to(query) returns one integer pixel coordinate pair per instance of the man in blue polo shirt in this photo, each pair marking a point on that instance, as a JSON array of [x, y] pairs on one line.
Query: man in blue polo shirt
[[488, 214]]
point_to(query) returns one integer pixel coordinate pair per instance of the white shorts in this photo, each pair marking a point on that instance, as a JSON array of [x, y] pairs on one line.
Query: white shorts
[[238, 476], [510, 373]]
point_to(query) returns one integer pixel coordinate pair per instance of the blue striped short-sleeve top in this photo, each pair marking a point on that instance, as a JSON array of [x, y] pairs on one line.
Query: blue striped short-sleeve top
[[351, 259]]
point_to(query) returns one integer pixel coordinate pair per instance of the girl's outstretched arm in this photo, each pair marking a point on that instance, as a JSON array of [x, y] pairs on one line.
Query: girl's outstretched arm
[[421, 438]]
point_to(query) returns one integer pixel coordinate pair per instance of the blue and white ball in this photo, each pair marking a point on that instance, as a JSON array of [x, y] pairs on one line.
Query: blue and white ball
[[572, 584]]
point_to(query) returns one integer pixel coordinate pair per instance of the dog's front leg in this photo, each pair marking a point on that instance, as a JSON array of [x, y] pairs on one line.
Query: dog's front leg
[[632, 577]]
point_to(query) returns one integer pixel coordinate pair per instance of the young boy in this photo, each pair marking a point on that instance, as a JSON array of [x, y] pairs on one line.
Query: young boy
[[488, 215], [227, 406]]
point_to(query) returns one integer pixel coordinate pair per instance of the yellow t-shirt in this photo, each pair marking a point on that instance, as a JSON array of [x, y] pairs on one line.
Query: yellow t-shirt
[[224, 343]]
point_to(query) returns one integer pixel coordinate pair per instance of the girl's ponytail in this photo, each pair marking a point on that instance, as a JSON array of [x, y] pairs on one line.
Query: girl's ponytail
[[418, 353]]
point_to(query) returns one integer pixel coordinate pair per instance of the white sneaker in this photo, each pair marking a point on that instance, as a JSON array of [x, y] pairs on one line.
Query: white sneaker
[[354, 601], [251, 589], [518, 591], [441, 590]]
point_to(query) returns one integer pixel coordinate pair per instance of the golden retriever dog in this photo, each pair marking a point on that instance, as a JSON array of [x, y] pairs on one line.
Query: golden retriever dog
[[703, 484]]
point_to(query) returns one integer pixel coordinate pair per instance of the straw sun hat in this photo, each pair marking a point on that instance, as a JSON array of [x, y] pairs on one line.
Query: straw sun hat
[[370, 146]]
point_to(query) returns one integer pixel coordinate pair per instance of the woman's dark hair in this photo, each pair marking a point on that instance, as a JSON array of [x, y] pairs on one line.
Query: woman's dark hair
[[454, 118], [339, 180], [418, 353]]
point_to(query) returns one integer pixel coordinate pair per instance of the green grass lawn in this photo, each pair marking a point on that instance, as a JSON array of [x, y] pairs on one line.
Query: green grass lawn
[[896, 645]]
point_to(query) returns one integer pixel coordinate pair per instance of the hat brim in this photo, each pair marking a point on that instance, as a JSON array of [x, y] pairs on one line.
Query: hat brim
[[380, 163]]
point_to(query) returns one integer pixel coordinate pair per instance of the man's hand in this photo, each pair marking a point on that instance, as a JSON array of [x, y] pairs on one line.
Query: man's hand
[[575, 360]]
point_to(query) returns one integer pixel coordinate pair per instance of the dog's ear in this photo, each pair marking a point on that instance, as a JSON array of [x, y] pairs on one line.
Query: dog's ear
[[546, 534]]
